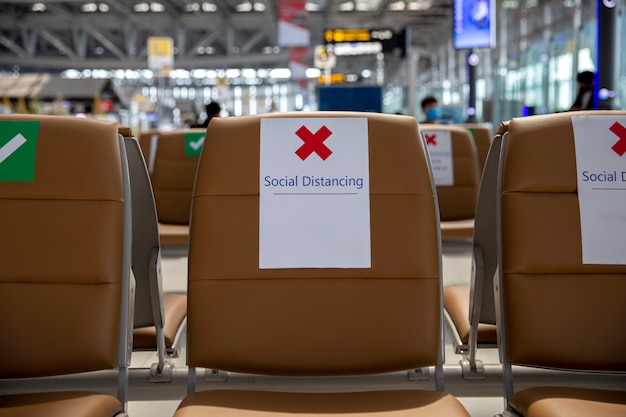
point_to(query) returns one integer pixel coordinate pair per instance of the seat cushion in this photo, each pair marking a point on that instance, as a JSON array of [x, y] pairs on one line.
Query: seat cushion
[[262, 403], [457, 229], [173, 234], [456, 302], [570, 402], [65, 404], [175, 308]]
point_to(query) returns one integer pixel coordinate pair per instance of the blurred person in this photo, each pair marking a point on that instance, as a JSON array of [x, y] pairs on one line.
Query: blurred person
[[431, 109], [584, 99], [212, 110]]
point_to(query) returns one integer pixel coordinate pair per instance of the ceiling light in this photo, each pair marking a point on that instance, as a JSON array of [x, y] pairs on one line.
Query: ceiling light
[[346, 7], [142, 7], [244, 7], [313, 72], [89, 8], [157, 7], [280, 73], [398, 6], [248, 73], [312, 7], [419, 4], [233, 73]]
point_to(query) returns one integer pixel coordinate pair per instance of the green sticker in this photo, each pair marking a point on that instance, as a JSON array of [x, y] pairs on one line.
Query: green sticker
[[471, 129], [18, 148], [193, 143]]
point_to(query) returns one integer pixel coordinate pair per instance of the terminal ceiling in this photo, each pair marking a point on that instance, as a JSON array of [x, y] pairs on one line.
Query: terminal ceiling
[[51, 36]]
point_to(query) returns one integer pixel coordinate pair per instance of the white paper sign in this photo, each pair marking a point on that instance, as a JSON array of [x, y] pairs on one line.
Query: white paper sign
[[439, 144], [314, 193], [601, 164]]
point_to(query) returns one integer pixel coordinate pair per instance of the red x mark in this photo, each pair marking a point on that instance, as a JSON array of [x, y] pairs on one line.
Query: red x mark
[[430, 139], [620, 145], [313, 142]]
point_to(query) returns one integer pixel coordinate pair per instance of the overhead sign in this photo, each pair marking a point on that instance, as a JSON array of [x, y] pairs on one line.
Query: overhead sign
[[332, 79], [385, 39], [160, 55], [601, 164], [322, 59], [292, 27], [439, 144], [314, 193], [474, 24], [357, 48], [18, 149], [299, 62]]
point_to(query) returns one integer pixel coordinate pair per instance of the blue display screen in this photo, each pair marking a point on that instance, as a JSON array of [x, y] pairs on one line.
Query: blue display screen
[[356, 98], [474, 24]]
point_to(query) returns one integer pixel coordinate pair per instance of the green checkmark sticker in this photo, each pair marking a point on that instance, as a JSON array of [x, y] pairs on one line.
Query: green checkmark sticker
[[193, 143], [18, 148]]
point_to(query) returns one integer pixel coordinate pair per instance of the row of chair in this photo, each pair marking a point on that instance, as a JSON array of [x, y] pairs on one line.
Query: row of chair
[[173, 170], [295, 325], [223, 271]]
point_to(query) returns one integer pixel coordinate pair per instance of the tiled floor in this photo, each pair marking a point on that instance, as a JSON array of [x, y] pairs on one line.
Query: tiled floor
[[456, 270]]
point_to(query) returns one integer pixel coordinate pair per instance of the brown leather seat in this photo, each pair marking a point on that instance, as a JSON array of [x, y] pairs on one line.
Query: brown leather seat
[[65, 281], [457, 202], [159, 317], [172, 182], [314, 322], [554, 311], [482, 138], [456, 299], [471, 308]]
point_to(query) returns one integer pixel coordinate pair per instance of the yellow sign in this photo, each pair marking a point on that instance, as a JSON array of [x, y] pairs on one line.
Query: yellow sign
[[322, 59], [334, 78], [160, 54], [347, 35]]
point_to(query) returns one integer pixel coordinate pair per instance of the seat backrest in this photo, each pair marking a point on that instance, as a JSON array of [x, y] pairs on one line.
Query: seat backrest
[[482, 138], [554, 310], [457, 197], [174, 173], [485, 250], [146, 247], [65, 283], [314, 321], [146, 258]]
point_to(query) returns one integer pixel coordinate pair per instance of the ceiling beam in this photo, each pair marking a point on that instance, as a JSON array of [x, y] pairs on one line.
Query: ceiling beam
[[9, 44]]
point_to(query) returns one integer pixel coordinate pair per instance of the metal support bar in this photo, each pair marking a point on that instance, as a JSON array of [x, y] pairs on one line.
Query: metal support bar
[[160, 373], [141, 389]]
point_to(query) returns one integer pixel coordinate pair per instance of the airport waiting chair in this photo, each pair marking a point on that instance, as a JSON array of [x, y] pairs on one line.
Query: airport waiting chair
[[482, 138], [66, 288], [553, 310], [176, 160], [470, 309], [315, 322], [457, 197], [159, 316]]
